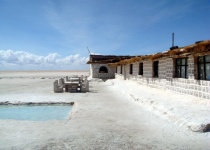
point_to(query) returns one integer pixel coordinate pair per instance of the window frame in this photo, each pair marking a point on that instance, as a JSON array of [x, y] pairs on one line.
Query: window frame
[[204, 67], [131, 69], [180, 65], [156, 69], [141, 68], [103, 69]]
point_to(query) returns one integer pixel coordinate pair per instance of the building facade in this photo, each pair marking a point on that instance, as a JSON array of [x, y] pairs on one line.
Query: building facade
[[102, 71], [184, 70], [99, 67]]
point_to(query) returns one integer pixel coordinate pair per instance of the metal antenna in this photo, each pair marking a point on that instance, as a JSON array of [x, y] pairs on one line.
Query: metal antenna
[[172, 39], [88, 50]]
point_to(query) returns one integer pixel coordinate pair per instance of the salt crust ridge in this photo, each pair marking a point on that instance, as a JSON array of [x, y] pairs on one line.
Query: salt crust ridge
[[185, 111]]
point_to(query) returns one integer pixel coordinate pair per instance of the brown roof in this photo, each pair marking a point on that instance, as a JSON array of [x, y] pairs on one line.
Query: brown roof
[[105, 59], [199, 48]]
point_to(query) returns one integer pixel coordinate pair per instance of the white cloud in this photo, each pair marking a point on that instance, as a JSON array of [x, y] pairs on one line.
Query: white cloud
[[72, 60], [10, 59]]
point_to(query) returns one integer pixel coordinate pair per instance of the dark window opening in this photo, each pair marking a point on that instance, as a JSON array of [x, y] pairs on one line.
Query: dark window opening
[[155, 68], [204, 67], [103, 69], [120, 69], [181, 68], [140, 68], [131, 68], [116, 70]]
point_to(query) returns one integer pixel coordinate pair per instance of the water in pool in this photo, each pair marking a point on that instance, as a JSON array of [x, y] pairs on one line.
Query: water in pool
[[35, 112]]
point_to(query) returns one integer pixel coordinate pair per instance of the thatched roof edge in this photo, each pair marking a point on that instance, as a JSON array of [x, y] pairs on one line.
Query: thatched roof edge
[[202, 47]]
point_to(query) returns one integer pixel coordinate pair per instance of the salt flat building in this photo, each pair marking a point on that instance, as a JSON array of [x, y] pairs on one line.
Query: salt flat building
[[181, 69], [99, 67]]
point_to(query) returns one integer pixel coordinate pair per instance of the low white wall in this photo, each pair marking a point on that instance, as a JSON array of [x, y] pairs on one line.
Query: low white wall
[[191, 86]]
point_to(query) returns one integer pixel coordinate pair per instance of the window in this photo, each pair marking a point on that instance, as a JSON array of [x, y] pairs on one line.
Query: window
[[155, 68], [140, 68], [103, 69], [120, 69], [131, 68], [204, 67], [181, 68], [116, 70]]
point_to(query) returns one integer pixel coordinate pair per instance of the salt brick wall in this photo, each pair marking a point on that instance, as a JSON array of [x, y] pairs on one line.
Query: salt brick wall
[[127, 69], [135, 71], [135, 68], [191, 86], [199, 88], [120, 76], [162, 69], [169, 68], [91, 70], [191, 67], [118, 69], [94, 71], [147, 69]]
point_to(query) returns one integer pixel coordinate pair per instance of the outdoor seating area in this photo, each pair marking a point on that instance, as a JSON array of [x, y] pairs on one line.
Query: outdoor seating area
[[71, 84]]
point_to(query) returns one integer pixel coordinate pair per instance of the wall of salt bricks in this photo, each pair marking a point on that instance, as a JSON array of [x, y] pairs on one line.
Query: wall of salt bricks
[[166, 80], [94, 71], [120, 76]]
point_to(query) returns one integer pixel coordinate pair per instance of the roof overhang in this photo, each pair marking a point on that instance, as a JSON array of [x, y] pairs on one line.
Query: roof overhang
[[199, 48], [106, 59]]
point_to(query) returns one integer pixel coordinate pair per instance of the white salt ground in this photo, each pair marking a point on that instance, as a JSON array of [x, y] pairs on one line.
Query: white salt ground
[[181, 109], [113, 115]]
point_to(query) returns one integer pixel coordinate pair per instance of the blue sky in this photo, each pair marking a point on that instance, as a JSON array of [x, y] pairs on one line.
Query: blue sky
[[54, 34]]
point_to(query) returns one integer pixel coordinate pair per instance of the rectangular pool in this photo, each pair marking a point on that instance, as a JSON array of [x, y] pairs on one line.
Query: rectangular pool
[[35, 112]]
